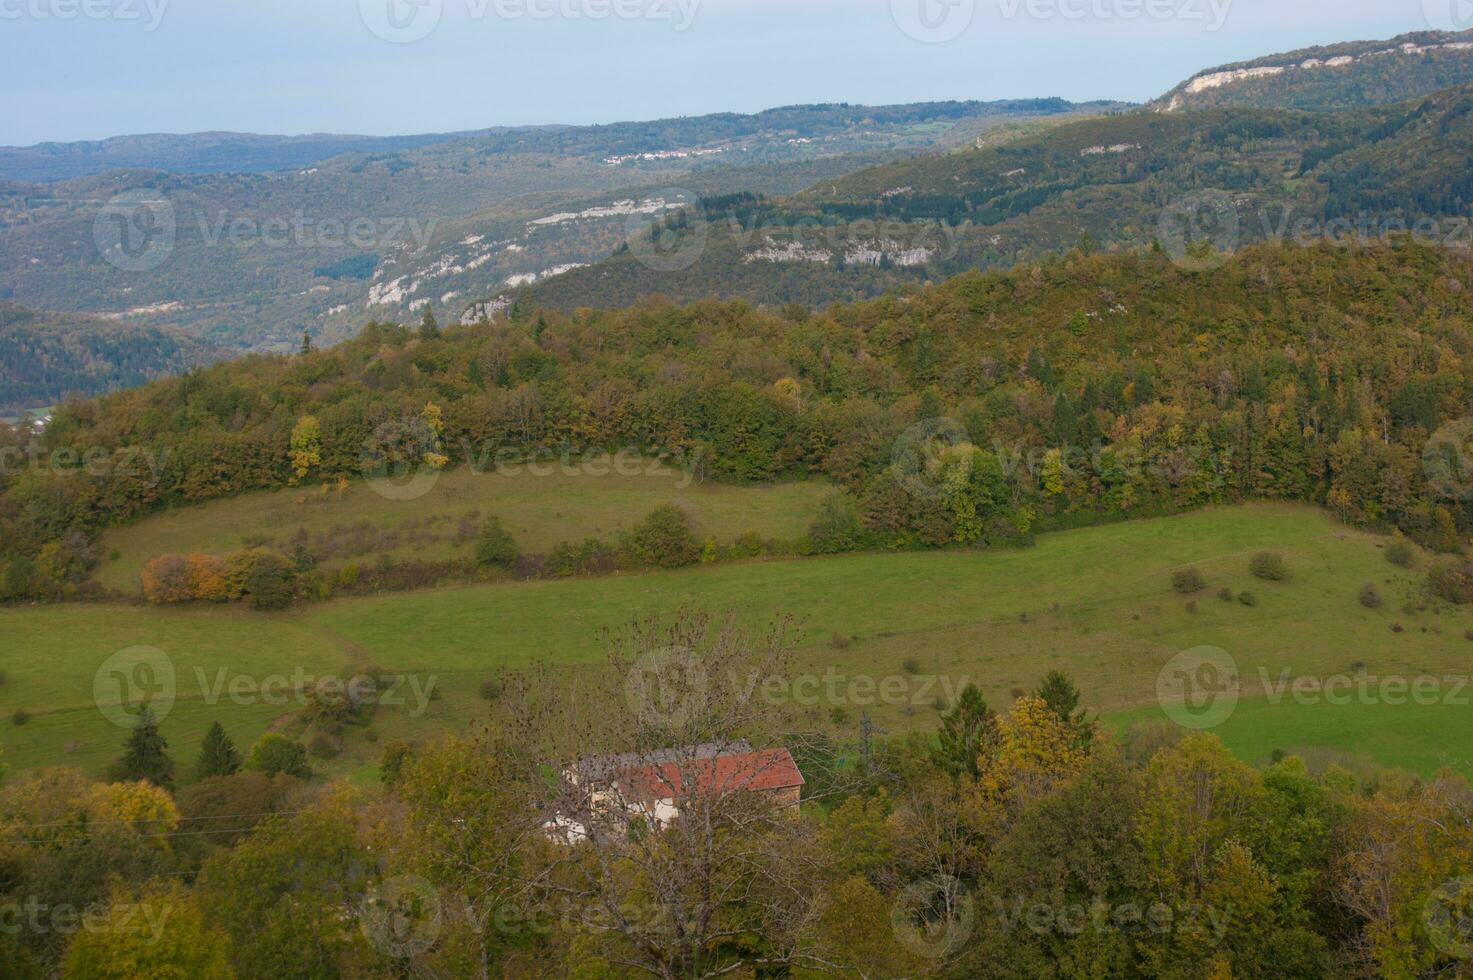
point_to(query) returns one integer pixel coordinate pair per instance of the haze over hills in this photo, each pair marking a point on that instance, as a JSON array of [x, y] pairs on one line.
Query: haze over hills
[[195, 153], [252, 260]]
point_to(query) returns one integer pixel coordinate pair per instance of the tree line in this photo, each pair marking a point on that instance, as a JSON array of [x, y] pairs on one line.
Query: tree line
[[976, 412]]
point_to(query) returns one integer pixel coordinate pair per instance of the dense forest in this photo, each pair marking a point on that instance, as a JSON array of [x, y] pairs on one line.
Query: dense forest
[[1085, 388], [45, 357]]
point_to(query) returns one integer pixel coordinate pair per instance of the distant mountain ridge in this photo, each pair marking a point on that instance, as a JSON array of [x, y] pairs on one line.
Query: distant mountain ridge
[[194, 153], [252, 153], [1336, 76], [257, 258], [1111, 181]]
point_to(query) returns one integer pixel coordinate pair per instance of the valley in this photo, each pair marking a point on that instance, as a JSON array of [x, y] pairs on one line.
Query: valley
[[928, 540]]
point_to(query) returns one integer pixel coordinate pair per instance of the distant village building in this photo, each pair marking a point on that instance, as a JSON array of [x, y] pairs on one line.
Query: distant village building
[[655, 785]]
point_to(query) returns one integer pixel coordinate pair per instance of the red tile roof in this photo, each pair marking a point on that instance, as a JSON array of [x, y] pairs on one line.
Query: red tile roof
[[750, 771]]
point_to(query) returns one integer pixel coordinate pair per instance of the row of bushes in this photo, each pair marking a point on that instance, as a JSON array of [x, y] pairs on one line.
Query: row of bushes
[[266, 579]]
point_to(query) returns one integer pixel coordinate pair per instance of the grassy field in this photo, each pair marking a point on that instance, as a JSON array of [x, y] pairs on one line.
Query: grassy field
[[540, 510], [1096, 602]]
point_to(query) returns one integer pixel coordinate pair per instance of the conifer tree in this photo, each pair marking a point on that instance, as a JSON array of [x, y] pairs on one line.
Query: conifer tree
[[144, 758], [217, 756], [1062, 697], [964, 734]]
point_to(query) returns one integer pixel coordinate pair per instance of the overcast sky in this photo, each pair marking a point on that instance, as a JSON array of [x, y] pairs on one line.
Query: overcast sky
[[86, 69]]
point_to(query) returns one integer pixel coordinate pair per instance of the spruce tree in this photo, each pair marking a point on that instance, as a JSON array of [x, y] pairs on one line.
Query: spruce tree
[[429, 327], [306, 342], [964, 734], [217, 757], [144, 758], [1062, 698]]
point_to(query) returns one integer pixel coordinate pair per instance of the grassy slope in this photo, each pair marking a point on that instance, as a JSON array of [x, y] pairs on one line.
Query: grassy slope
[[1097, 603], [541, 511]]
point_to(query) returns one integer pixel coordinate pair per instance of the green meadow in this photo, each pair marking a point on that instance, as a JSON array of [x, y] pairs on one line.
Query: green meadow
[[889, 635], [542, 510]]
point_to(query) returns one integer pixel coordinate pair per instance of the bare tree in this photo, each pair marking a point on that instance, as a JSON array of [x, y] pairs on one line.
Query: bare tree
[[671, 826]]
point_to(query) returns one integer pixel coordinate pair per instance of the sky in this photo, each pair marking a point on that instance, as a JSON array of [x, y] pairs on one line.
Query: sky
[[89, 69]]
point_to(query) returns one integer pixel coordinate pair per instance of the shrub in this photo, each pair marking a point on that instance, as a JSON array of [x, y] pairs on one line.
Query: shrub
[[1269, 566], [911, 665], [1226, 595], [1452, 581], [840, 642], [1192, 606], [837, 528], [1370, 596], [396, 754], [592, 557], [207, 577], [839, 716], [166, 580], [1248, 598], [1187, 581], [1400, 553], [21, 716], [490, 689], [495, 547], [271, 582], [275, 753], [664, 539], [324, 746]]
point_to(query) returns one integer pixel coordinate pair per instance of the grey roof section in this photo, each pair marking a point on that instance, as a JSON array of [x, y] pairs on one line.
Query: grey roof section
[[600, 768]]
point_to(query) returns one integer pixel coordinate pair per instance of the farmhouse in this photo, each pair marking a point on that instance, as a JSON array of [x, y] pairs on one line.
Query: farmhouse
[[658, 784]]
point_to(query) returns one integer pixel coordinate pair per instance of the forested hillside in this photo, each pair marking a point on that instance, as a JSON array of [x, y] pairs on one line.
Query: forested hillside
[[1082, 388], [1228, 177], [1335, 76], [45, 357]]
